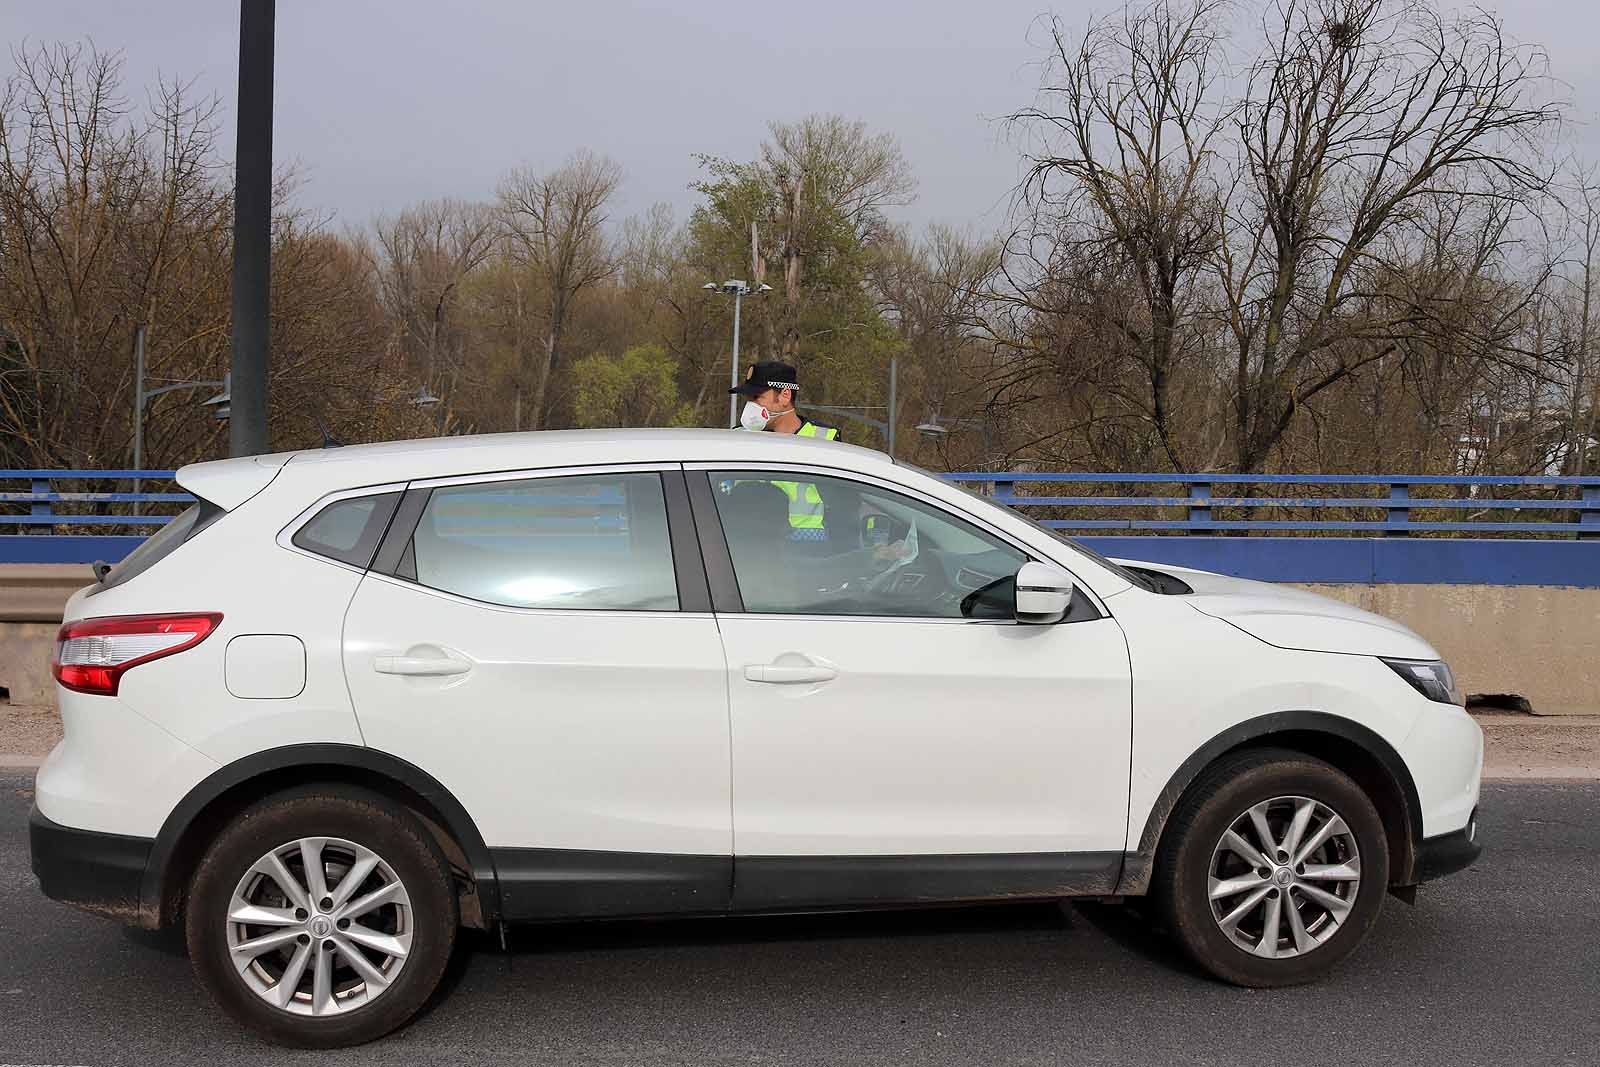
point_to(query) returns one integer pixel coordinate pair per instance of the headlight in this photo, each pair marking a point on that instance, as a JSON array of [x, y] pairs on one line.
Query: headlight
[[1432, 678]]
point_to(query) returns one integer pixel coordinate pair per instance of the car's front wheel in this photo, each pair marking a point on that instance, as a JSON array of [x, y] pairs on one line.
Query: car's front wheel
[[1272, 869], [321, 917]]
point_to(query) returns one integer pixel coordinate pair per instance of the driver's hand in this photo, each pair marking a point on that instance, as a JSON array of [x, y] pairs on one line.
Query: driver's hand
[[891, 553]]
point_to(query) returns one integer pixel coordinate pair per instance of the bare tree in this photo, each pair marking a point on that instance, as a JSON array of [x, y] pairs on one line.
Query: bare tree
[[1356, 113], [113, 218], [1584, 393], [932, 289], [555, 224], [427, 252], [107, 221], [1258, 228], [1124, 180]]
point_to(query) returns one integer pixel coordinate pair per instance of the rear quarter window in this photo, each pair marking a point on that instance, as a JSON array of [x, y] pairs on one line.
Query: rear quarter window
[[348, 530]]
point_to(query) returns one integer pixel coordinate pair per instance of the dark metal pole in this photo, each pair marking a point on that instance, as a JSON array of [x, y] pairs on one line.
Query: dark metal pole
[[252, 231], [894, 410], [138, 408], [733, 371]]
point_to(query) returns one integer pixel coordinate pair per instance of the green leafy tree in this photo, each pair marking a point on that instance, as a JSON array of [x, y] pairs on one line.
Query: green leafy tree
[[638, 388], [807, 213]]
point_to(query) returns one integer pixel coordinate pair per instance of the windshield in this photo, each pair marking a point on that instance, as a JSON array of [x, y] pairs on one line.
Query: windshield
[[1140, 580]]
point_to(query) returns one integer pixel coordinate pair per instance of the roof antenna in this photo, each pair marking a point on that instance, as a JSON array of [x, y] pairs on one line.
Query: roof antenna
[[328, 440]]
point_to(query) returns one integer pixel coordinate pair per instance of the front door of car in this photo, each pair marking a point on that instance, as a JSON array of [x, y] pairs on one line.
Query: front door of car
[[896, 734], [542, 645]]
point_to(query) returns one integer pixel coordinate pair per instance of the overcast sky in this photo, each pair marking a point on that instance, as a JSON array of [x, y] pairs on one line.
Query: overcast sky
[[384, 103]]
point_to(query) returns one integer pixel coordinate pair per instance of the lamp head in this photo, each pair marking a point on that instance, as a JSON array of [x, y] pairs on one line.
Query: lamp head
[[221, 403]]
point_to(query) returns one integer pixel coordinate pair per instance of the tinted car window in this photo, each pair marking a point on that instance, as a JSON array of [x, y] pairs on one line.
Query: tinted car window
[[348, 530], [878, 553], [590, 542], [1144, 580], [161, 544]]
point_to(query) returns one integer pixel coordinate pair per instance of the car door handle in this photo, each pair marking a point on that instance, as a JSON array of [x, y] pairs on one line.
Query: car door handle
[[420, 666], [786, 675]]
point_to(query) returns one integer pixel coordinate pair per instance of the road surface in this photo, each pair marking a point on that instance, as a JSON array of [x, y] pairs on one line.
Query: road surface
[[1497, 965]]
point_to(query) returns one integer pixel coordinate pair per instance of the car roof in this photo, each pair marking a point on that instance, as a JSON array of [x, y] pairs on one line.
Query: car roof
[[443, 457]]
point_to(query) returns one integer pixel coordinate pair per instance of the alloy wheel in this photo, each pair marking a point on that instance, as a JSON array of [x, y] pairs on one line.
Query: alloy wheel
[[1284, 877], [319, 926]]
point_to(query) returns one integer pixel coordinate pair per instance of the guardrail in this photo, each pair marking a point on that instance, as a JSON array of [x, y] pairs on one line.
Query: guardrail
[[1504, 530], [1398, 504], [69, 516]]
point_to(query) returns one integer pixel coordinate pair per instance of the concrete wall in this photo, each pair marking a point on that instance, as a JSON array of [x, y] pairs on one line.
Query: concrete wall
[[31, 598], [1540, 642], [1537, 641]]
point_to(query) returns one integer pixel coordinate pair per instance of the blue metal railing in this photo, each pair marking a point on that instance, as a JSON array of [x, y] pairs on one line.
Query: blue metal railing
[[1200, 501], [43, 495], [69, 516], [1397, 505]]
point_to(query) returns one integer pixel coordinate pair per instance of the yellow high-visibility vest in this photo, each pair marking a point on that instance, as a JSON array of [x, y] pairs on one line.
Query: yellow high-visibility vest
[[805, 503]]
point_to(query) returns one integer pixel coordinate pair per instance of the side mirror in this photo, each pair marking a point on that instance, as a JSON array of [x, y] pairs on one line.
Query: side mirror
[[1044, 593]]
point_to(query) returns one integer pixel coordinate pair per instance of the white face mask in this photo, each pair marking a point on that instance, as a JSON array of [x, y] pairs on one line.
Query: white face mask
[[754, 416]]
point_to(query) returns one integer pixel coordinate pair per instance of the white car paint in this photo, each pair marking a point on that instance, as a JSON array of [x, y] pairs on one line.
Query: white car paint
[[935, 737], [575, 730], [1294, 618], [615, 731]]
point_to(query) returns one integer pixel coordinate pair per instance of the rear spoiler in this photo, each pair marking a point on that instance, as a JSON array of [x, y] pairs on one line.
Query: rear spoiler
[[227, 483]]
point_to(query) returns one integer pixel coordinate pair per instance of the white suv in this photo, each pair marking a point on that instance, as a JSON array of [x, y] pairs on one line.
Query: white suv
[[354, 699]]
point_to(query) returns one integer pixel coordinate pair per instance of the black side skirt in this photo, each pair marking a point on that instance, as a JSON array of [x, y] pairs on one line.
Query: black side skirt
[[545, 884], [776, 883], [548, 883]]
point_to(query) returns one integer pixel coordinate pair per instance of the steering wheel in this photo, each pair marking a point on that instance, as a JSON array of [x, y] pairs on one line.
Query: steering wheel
[[874, 576], [879, 582]]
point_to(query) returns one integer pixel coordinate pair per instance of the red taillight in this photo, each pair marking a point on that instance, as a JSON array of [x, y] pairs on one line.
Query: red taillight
[[92, 654]]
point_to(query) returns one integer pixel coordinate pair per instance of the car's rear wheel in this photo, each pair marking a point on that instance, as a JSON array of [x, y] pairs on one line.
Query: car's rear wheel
[[1272, 869], [322, 918]]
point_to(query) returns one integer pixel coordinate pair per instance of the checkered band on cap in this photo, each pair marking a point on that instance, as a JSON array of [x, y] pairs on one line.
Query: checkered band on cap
[[784, 385]]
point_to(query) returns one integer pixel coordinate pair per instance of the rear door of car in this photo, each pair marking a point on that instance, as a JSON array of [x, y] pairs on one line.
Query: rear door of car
[[541, 642]]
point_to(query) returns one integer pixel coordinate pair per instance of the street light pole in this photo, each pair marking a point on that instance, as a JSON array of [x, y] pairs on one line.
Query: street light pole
[[142, 396], [736, 288], [894, 381], [733, 369], [138, 407]]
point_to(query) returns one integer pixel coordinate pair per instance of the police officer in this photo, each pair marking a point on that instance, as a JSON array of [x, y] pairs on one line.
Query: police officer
[[769, 390]]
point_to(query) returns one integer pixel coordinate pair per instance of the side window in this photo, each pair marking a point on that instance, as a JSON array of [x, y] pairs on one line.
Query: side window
[[348, 530], [588, 542], [875, 553]]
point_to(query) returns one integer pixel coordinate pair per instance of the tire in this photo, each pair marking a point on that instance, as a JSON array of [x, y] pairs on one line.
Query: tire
[[405, 938], [1333, 912]]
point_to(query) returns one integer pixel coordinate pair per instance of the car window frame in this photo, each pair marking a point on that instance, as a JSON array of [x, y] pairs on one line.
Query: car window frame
[[723, 580], [393, 556], [285, 538]]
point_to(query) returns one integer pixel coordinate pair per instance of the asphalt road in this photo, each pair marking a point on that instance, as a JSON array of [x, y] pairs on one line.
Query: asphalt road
[[1497, 965]]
